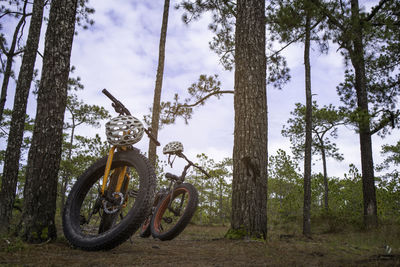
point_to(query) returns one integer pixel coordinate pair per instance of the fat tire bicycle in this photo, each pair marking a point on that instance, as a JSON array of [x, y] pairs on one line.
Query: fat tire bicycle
[[173, 207], [111, 199]]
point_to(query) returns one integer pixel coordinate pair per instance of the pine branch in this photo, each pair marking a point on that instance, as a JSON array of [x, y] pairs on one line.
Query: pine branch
[[293, 41], [328, 14], [375, 10], [204, 98], [390, 119]]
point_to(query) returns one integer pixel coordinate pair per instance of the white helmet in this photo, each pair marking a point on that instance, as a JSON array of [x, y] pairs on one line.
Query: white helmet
[[175, 147], [124, 130]]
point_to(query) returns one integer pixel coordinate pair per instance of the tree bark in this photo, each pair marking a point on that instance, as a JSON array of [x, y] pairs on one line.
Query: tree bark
[[155, 121], [308, 135], [249, 185], [40, 192], [67, 175], [15, 137], [367, 165], [326, 186]]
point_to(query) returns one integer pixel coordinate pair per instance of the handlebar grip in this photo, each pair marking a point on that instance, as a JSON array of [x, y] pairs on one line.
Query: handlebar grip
[[118, 106], [108, 94], [171, 176]]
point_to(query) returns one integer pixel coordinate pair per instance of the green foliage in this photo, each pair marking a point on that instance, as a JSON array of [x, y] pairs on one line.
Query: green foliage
[[214, 192], [346, 198], [14, 245], [5, 127], [28, 129], [388, 185], [285, 196], [236, 234], [223, 25], [392, 153], [83, 14], [79, 152], [381, 31], [206, 87], [285, 189], [325, 121], [286, 21]]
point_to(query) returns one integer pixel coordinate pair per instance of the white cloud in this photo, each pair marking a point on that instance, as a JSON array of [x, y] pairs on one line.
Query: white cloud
[[120, 53]]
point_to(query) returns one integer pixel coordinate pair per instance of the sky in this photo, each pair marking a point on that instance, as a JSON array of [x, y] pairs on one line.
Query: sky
[[120, 53]]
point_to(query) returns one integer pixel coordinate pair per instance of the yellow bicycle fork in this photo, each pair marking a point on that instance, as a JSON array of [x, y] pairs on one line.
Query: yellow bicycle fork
[[120, 170]]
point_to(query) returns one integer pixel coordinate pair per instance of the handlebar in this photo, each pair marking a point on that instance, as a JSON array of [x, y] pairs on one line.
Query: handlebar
[[202, 170], [192, 164], [122, 110], [117, 105]]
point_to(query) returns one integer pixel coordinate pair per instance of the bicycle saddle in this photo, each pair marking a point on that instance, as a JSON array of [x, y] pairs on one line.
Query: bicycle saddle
[[174, 147]]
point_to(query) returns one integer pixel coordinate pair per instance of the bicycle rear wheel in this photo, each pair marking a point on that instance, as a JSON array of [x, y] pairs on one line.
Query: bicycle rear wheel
[[145, 231], [92, 222], [174, 212]]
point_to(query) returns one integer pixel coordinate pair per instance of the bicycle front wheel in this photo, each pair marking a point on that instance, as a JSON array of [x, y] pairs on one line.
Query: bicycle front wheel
[[174, 212], [94, 222]]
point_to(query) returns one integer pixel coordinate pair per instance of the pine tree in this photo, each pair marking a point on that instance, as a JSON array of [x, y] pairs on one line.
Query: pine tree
[[40, 192], [155, 121], [11, 52], [325, 120], [13, 152], [249, 185], [367, 40]]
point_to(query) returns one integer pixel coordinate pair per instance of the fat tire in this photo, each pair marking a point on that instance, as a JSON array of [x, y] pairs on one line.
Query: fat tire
[[184, 220], [131, 222]]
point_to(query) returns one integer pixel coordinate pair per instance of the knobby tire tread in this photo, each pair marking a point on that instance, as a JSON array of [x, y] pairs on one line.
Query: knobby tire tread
[[133, 219], [185, 218]]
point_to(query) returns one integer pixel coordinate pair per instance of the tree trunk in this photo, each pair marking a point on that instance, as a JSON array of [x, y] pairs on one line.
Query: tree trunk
[[44, 157], [308, 136], [155, 120], [15, 137], [367, 165], [10, 56], [326, 187], [249, 185], [67, 176]]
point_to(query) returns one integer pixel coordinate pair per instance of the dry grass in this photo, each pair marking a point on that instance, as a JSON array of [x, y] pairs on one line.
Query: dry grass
[[205, 246]]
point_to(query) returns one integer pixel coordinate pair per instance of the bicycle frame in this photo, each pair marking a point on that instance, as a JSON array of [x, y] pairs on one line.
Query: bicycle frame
[[121, 172], [175, 180], [121, 109]]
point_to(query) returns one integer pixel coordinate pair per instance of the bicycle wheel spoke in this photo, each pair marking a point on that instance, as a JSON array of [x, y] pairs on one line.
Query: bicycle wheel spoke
[[104, 213]]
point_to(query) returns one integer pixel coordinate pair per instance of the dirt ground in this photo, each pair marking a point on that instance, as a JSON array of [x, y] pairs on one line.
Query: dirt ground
[[205, 246]]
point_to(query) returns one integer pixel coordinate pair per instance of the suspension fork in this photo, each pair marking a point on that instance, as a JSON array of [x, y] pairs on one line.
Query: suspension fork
[[120, 170]]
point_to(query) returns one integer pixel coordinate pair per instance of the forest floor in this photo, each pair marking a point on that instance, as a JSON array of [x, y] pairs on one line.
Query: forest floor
[[205, 246]]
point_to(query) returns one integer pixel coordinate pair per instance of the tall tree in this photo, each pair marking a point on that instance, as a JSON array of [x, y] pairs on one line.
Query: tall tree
[[16, 133], [155, 121], [249, 185], [308, 133], [296, 21], [40, 192], [325, 120], [367, 40], [11, 52]]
